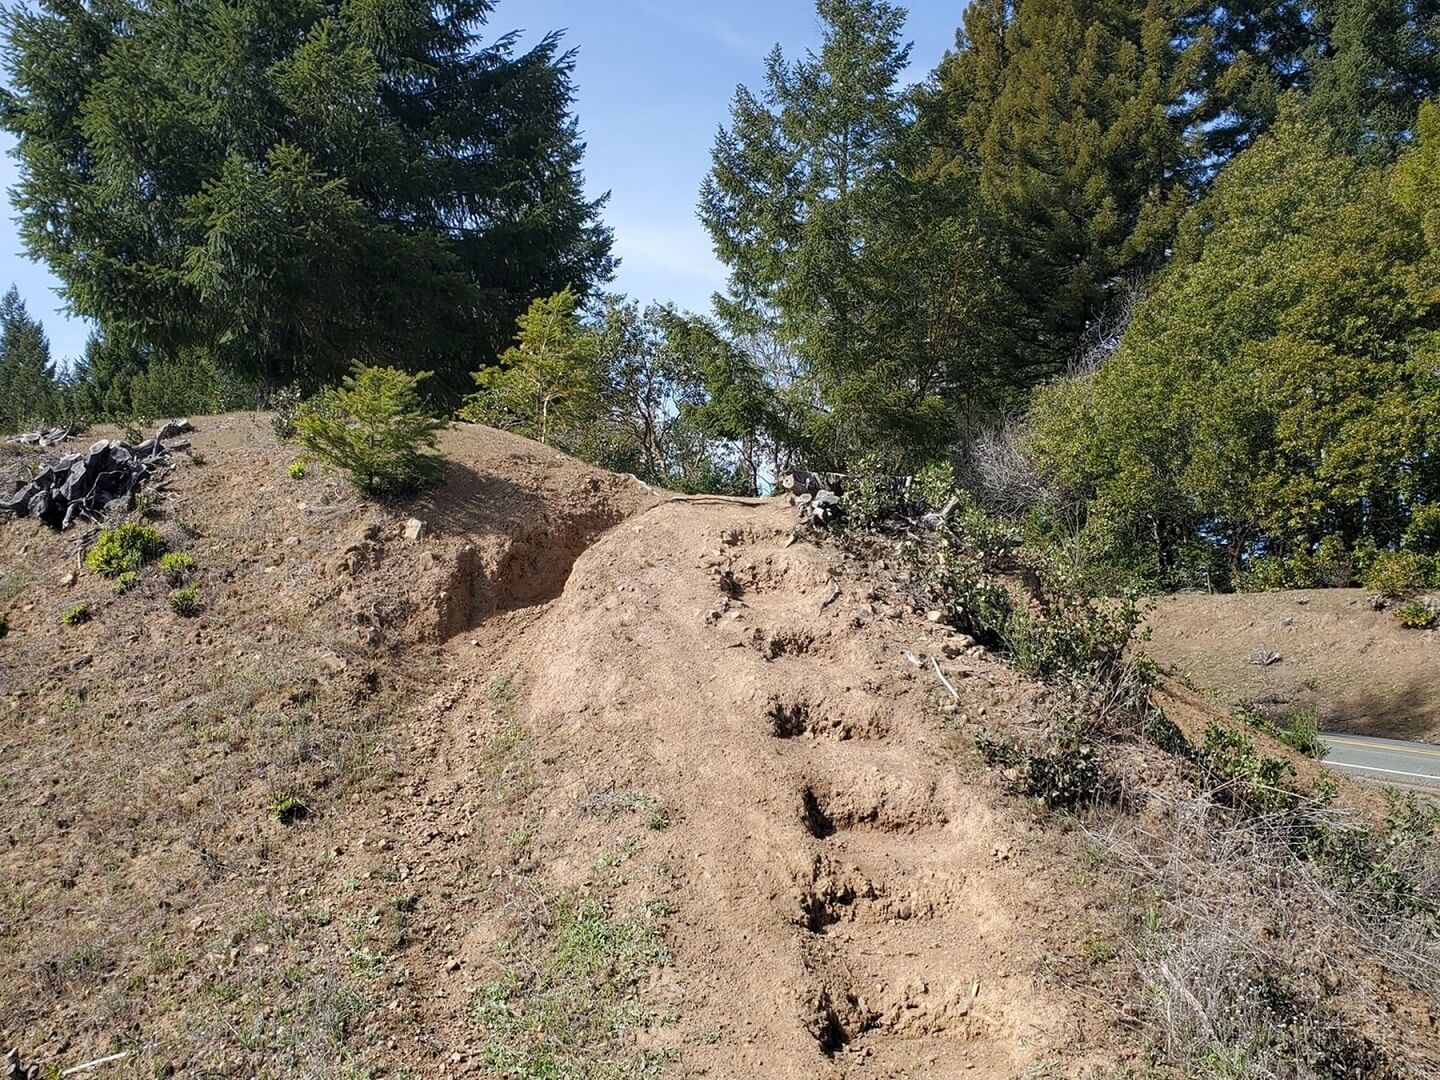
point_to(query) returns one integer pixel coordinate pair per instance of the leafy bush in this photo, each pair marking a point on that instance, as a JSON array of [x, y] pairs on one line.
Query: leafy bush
[[1398, 574], [1418, 615], [1064, 630], [77, 615], [285, 407], [934, 486], [871, 497], [127, 581], [1243, 776], [372, 428], [1301, 732], [1423, 535], [177, 566], [1394, 866], [1063, 774], [124, 549], [1330, 566], [185, 602], [297, 470], [1075, 635]]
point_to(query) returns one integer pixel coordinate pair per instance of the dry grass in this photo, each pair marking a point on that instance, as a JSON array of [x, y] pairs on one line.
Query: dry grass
[[1255, 960]]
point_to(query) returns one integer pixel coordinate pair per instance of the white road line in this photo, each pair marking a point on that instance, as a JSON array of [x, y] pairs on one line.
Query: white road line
[[1388, 772]]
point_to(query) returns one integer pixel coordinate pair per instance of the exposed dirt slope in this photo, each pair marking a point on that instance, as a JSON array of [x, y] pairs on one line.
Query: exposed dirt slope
[[840, 908], [595, 782], [1357, 666]]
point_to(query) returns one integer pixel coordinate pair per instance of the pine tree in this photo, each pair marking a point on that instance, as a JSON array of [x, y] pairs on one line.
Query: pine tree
[[287, 188], [1073, 115], [547, 385], [1380, 63], [29, 390], [1367, 65], [839, 252]]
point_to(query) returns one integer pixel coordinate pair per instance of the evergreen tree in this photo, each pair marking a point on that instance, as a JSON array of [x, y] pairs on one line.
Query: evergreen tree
[[1366, 64], [287, 188], [29, 391], [874, 278], [1279, 385], [1380, 62], [547, 385], [784, 200], [1073, 115]]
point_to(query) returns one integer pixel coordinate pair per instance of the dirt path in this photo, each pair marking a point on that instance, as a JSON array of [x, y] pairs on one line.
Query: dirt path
[[846, 901]]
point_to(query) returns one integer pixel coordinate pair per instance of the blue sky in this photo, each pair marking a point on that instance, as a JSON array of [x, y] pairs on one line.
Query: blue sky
[[655, 79]]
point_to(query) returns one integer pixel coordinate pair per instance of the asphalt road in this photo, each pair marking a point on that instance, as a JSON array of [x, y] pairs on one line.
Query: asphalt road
[[1388, 761]]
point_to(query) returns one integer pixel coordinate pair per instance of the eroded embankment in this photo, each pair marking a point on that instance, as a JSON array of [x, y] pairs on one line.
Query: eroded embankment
[[842, 897]]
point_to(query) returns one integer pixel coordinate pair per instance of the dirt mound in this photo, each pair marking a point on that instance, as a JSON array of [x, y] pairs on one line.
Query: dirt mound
[[588, 780], [1356, 666], [829, 866]]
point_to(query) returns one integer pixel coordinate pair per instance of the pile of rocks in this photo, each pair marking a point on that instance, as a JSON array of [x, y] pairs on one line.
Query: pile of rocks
[[90, 485], [818, 497]]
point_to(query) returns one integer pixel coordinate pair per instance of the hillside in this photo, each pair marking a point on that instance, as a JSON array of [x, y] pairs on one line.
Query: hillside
[[1357, 667], [588, 780]]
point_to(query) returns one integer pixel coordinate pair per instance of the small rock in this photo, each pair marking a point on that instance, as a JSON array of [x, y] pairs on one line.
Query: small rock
[[414, 530]]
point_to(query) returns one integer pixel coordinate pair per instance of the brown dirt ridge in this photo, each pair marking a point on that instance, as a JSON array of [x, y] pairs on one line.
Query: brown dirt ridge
[[589, 778]]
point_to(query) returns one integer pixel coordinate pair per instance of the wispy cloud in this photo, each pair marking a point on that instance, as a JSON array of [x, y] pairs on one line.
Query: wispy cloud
[[712, 27]]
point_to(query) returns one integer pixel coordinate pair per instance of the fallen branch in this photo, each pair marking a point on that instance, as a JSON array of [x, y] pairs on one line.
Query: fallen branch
[[97, 1063], [953, 692]]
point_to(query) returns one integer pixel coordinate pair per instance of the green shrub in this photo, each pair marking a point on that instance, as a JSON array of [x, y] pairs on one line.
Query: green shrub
[[1063, 774], [1398, 574], [1075, 635], [1423, 534], [177, 566], [1417, 615], [1301, 732], [126, 581], [77, 615], [1244, 777], [124, 549], [871, 497], [1330, 566], [1333, 567], [297, 470], [1064, 631], [289, 809], [185, 602], [1267, 573], [372, 428], [285, 406], [934, 486]]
